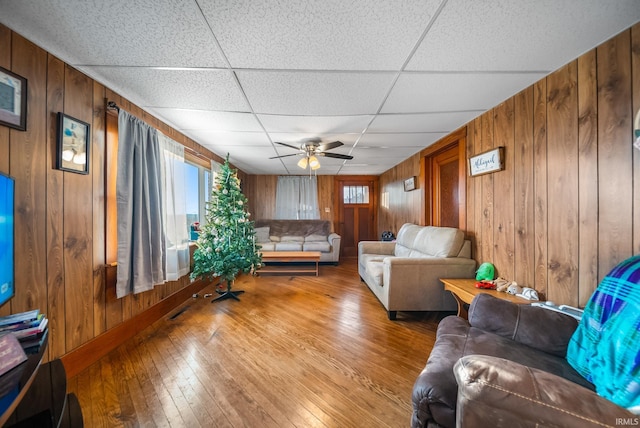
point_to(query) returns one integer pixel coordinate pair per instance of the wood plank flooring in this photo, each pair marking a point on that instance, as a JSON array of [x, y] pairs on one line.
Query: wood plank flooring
[[300, 351]]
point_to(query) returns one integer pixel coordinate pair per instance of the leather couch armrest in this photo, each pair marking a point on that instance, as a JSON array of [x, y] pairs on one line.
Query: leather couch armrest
[[501, 393], [533, 326]]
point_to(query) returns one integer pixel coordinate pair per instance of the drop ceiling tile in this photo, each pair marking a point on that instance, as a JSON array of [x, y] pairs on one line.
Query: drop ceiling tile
[[393, 141], [315, 93], [439, 92], [315, 124], [328, 35], [235, 139], [117, 32], [512, 35], [424, 122], [187, 89], [386, 156], [188, 119]]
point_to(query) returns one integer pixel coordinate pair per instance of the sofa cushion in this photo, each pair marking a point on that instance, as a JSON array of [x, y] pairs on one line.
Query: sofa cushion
[[274, 238], [438, 241], [316, 238], [323, 247], [262, 234], [267, 246], [292, 239], [289, 246], [406, 238]]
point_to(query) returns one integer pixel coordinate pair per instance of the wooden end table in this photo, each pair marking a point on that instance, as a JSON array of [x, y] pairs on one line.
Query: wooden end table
[[464, 290], [294, 258]]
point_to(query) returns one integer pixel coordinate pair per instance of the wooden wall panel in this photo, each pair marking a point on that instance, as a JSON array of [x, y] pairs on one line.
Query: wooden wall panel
[[478, 209], [587, 176], [98, 136], [635, 87], [56, 311], [78, 222], [503, 214], [487, 199], [28, 157], [523, 188], [540, 186], [562, 174], [614, 152], [5, 62], [470, 217], [401, 207]]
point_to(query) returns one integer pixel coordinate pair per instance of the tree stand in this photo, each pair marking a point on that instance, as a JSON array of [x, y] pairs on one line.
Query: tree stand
[[228, 294]]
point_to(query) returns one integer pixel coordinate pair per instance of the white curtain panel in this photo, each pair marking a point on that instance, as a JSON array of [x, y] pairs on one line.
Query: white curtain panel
[[297, 198], [174, 209], [139, 207]]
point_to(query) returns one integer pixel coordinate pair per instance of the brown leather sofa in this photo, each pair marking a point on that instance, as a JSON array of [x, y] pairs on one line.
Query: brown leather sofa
[[506, 367]]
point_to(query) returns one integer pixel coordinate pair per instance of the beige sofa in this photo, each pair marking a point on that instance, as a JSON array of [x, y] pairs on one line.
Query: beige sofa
[[404, 275], [299, 235]]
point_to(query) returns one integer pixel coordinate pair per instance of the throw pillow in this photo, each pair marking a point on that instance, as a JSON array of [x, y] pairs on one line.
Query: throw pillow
[[262, 234]]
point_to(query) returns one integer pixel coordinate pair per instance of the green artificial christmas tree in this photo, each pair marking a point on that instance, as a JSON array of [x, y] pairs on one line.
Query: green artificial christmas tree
[[226, 245]]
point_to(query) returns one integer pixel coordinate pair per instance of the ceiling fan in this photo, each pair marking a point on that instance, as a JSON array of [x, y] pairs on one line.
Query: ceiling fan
[[311, 148]]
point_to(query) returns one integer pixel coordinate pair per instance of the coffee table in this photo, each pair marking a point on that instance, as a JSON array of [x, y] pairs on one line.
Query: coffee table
[[294, 260], [464, 290]]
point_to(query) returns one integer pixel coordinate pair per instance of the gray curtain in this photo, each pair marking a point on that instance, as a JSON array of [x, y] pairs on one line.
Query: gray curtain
[[139, 201]]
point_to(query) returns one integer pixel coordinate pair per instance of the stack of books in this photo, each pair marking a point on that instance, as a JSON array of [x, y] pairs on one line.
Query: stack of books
[[30, 328]]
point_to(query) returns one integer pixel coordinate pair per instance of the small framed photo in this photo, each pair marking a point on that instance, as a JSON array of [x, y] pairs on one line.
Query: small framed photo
[[73, 144], [13, 100], [410, 184], [487, 162]]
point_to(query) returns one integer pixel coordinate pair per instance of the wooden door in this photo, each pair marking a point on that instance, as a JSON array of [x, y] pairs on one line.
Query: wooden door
[[356, 213], [447, 180]]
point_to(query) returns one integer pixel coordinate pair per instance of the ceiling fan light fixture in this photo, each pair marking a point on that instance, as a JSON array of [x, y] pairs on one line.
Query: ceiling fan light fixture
[[302, 163], [314, 163]]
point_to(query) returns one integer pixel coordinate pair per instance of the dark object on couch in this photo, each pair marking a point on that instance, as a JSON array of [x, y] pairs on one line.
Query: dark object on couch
[[506, 366]]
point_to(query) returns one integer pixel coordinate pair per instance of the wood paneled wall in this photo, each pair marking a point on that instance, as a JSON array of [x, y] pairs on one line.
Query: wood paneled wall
[[398, 207], [567, 207], [261, 193], [60, 216]]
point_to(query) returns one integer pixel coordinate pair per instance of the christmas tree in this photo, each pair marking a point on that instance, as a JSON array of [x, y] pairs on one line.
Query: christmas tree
[[226, 245]]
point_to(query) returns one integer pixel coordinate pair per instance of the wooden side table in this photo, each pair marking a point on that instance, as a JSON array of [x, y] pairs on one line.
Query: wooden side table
[[464, 290]]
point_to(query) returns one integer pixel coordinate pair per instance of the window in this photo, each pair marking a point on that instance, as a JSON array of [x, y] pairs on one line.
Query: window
[[356, 194], [198, 183], [297, 198]]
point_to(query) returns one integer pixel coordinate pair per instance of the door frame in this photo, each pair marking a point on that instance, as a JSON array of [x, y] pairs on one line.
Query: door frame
[[459, 138], [338, 199]]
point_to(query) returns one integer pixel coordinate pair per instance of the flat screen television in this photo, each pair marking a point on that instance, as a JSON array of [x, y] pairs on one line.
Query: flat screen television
[[7, 235]]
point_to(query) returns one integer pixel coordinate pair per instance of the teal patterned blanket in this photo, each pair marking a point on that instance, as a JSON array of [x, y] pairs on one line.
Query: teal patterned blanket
[[605, 347]]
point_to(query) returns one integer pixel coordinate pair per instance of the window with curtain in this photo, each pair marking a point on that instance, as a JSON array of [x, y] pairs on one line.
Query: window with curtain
[[152, 230], [174, 208], [297, 198]]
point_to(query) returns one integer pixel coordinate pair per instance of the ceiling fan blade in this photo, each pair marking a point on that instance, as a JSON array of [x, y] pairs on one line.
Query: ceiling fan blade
[[287, 145], [328, 146], [284, 156], [335, 155]]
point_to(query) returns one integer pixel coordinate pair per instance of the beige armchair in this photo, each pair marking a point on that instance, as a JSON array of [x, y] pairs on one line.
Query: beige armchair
[[405, 274]]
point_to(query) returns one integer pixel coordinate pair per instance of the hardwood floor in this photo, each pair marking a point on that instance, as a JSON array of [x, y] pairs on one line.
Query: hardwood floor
[[299, 351]]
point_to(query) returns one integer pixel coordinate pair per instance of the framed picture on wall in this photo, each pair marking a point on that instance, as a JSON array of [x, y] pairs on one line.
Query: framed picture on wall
[[487, 162], [73, 144], [13, 100], [410, 184]]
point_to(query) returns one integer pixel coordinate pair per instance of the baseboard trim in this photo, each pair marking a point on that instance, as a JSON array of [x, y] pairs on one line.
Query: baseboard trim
[[83, 356]]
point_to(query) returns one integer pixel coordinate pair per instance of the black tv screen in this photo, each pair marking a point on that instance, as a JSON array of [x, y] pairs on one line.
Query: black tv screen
[[7, 275]]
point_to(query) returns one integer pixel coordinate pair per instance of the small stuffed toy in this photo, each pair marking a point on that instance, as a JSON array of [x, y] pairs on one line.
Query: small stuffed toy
[[501, 284], [514, 288]]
